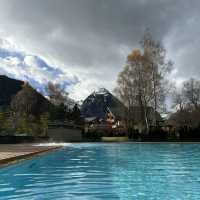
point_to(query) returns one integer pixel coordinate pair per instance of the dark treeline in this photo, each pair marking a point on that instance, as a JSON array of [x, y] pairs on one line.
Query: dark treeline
[[29, 112], [186, 102]]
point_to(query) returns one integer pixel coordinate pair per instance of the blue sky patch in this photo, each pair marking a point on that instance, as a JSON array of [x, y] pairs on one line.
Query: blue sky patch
[[40, 69]]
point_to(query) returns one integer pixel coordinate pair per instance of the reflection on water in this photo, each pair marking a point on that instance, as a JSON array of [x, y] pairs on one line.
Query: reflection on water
[[53, 144]]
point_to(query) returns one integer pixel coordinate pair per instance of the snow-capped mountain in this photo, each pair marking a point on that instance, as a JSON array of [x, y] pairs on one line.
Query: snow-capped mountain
[[99, 102]]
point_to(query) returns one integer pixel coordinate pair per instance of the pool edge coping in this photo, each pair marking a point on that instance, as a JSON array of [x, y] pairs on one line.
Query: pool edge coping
[[15, 159]]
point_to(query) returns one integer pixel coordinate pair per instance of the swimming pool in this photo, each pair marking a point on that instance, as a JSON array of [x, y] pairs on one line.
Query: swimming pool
[[107, 171]]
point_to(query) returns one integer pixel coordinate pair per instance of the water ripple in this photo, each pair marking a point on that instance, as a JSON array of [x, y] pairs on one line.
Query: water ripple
[[107, 171]]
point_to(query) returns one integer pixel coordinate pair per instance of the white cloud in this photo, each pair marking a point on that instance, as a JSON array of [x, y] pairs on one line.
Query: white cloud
[[13, 61], [30, 61], [27, 67]]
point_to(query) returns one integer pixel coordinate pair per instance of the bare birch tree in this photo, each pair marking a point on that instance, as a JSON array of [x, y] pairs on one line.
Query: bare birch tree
[[191, 92], [142, 83], [133, 89], [186, 101], [159, 67]]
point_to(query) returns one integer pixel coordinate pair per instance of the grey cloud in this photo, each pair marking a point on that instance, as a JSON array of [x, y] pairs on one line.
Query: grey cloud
[[87, 34], [93, 25]]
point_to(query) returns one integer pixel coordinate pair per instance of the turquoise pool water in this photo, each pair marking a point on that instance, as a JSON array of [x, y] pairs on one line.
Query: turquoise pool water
[[107, 171]]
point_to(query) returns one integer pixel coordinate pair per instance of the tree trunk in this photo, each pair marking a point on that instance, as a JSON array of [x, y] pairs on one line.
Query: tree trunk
[[154, 94]]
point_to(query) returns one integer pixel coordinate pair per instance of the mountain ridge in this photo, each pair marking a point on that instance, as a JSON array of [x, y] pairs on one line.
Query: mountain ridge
[[8, 89]]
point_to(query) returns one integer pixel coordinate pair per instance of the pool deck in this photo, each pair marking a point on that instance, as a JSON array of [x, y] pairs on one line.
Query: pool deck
[[14, 152]]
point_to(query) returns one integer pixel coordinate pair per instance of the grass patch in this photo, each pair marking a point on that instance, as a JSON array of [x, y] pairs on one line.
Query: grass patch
[[114, 139]]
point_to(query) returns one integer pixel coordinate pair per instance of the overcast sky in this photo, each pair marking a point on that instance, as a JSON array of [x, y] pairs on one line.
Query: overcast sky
[[83, 44]]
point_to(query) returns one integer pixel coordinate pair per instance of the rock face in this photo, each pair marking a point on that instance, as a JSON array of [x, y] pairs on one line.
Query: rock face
[[8, 89], [99, 103]]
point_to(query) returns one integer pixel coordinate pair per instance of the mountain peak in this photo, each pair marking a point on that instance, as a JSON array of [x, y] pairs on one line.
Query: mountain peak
[[101, 91], [98, 103]]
